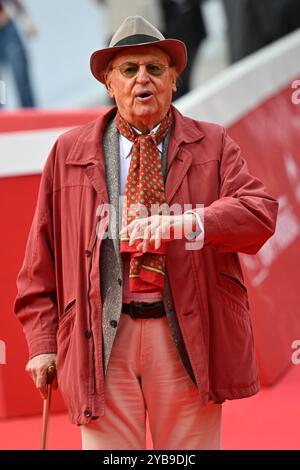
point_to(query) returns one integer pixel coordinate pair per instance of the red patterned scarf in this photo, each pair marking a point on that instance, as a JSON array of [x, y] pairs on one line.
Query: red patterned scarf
[[144, 186]]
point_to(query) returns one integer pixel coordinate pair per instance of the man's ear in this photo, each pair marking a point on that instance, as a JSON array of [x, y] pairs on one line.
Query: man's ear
[[108, 86], [110, 92], [174, 82]]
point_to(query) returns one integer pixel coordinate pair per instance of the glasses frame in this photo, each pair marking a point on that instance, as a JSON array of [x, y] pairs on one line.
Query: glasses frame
[[119, 67]]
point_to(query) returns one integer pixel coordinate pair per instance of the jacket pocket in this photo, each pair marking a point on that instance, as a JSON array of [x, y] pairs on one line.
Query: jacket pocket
[[233, 288], [64, 332], [231, 280], [233, 366], [69, 308]]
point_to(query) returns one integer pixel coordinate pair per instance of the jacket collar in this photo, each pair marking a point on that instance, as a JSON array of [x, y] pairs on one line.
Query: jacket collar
[[185, 129], [88, 145]]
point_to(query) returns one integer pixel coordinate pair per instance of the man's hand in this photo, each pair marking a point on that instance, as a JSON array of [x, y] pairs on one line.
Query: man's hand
[[158, 228], [37, 367]]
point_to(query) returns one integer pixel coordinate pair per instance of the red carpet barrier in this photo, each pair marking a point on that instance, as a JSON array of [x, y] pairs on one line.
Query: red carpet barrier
[[270, 141], [18, 196], [27, 120]]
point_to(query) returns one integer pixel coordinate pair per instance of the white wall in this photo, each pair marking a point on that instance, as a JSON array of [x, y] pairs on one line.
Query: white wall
[[69, 31]]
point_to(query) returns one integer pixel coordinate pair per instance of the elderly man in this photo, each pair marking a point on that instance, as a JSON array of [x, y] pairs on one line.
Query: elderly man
[[150, 314]]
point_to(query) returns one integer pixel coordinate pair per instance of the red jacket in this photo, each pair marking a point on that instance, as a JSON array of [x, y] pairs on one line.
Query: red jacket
[[61, 262]]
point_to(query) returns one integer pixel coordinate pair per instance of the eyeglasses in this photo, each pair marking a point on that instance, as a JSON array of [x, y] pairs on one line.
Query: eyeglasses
[[131, 69]]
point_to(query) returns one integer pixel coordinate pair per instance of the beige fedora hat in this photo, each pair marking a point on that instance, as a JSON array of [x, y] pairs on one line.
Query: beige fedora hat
[[135, 31]]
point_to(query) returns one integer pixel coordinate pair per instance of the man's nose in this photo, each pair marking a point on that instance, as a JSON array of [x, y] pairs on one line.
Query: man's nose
[[142, 75]]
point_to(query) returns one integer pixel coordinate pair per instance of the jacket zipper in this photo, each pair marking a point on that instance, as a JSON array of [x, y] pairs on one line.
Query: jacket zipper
[[89, 301]]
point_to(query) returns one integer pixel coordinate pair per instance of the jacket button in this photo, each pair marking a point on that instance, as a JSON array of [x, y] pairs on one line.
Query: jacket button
[[88, 334], [87, 253], [119, 281], [87, 413], [114, 323]]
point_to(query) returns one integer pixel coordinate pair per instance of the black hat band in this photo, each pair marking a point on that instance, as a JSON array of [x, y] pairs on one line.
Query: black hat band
[[136, 39]]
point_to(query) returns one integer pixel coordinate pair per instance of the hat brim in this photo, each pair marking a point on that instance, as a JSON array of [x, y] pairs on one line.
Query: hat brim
[[175, 48]]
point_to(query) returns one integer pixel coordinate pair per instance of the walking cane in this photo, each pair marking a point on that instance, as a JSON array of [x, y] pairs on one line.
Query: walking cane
[[51, 372]]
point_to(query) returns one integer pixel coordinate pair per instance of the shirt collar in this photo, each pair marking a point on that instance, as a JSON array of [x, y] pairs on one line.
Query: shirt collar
[[127, 144]]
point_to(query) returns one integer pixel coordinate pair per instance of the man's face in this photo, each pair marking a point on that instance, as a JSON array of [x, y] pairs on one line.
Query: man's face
[[144, 99]]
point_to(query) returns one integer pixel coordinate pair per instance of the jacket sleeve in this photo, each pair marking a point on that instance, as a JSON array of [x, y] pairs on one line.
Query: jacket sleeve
[[36, 302], [244, 216]]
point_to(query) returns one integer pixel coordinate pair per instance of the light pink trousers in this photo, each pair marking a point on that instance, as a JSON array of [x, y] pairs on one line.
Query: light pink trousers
[[145, 375]]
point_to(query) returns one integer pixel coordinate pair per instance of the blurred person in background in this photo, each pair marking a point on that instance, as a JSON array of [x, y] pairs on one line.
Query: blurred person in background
[[183, 20], [253, 24], [12, 50], [138, 320], [117, 11]]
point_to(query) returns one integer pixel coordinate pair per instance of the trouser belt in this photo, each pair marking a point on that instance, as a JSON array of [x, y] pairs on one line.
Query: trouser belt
[[144, 310]]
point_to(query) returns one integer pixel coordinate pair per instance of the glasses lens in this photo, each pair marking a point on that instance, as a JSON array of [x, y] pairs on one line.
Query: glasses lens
[[155, 69], [129, 69]]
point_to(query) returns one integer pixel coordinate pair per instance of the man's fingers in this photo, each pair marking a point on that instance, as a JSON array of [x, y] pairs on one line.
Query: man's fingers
[[44, 389], [41, 378], [135, 232], [38, 368], [154, 229], [145, 246], [149, 230], [163, 231], [142, 230], [157, 236]]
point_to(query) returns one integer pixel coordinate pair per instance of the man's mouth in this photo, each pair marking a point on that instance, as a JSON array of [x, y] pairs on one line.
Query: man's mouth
[[144, 95]]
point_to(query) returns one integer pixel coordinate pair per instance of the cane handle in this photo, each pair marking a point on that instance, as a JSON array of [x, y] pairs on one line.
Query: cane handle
[[51, 373]]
